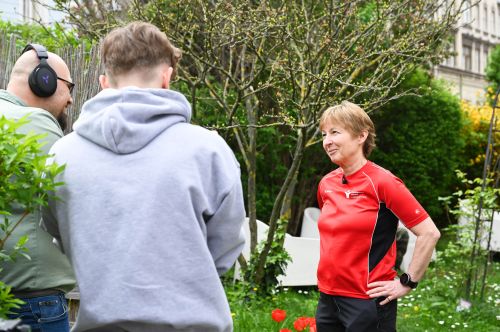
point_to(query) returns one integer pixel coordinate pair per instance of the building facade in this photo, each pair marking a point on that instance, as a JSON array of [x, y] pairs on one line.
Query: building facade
[[476, 36], [28, 11]]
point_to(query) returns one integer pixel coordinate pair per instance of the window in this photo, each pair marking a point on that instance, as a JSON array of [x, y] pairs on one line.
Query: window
[[493, 21], [467, 12], [497, 29], [485, 18], [477, 59], [477, 18], [467, 53], [485, 57]]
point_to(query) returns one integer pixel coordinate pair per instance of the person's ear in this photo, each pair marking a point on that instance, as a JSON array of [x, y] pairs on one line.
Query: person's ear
[[104, 82], [363, 136], [167, 76]]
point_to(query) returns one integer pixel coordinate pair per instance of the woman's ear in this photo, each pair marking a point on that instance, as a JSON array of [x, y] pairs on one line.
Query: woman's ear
[[363, 136], [167, 76]]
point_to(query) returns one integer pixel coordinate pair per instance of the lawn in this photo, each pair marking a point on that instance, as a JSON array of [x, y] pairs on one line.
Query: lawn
[[431, 307]]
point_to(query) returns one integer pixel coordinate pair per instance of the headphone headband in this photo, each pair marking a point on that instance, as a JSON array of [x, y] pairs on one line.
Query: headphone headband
[[41, 51]]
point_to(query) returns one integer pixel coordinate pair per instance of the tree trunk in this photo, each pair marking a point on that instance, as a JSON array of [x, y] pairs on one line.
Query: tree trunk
[[252, 171], [275, 214]]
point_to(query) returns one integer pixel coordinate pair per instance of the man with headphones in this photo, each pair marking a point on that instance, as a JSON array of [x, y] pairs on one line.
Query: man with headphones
[[40, 86]]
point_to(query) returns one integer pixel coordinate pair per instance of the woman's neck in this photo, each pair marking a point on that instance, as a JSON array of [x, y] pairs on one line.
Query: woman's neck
[[354, 166]]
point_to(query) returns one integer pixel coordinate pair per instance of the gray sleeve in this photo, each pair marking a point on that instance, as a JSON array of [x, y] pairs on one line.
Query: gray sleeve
[[49, 220], [225, 235], [44, 123]]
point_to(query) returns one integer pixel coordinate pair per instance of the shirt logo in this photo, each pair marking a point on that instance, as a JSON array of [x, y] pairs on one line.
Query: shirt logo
[[353, 194]]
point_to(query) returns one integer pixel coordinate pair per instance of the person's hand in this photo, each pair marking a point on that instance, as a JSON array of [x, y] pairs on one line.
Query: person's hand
[[392, 290]]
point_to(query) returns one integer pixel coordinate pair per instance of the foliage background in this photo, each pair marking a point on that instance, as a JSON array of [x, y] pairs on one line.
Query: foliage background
[[419, 140]]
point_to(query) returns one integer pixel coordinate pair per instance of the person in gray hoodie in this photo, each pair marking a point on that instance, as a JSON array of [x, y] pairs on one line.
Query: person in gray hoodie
[[151, 210]]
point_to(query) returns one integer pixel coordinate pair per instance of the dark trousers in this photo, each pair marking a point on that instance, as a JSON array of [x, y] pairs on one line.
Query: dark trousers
[[347, 314]]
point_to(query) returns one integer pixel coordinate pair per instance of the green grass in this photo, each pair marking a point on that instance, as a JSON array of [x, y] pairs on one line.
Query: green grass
[[431, 307], [255, 315]]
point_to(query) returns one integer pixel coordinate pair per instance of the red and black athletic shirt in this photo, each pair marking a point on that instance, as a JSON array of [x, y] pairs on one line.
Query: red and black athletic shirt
[[357, 225]]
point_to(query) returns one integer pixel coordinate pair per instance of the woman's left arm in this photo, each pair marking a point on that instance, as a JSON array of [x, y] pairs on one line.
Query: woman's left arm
[[427, 237]]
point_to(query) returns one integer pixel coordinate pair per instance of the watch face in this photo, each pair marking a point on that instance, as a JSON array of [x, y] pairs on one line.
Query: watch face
[[404, 279]]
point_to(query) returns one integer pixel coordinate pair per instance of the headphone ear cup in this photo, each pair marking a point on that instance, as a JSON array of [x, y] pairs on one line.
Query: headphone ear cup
[[43, 80]]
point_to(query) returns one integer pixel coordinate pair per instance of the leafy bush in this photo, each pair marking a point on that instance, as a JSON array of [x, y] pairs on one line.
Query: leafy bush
[[25, 183], [475, 134], [55, 37], [275, 266]]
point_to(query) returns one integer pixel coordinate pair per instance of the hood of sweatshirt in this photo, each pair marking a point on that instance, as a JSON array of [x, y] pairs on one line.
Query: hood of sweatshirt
[[125, 120]]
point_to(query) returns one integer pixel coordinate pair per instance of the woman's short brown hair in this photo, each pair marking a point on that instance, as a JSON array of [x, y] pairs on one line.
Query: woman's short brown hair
[[354, 119], [138, 45]]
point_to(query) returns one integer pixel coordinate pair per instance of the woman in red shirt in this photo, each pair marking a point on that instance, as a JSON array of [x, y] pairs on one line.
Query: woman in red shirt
[[361, 204]]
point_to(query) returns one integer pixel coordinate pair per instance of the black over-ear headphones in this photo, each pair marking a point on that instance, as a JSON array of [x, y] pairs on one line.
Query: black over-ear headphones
[[43, 79]]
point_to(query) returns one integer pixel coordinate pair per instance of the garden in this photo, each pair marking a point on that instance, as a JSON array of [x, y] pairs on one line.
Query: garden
[[261, 73]]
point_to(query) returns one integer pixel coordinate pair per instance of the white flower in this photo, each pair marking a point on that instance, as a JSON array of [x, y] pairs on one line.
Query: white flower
[[441, 322]]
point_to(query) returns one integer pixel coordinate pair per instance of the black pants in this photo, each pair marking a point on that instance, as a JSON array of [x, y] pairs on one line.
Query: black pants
[[347, 314]]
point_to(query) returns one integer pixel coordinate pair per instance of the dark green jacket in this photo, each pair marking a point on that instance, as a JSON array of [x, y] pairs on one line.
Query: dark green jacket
[[48, 267]]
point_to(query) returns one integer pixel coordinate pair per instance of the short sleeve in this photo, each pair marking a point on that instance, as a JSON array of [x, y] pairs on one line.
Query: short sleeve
[[401, 202]]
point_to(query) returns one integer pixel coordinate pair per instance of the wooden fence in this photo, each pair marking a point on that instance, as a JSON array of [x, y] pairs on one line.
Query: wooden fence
[[84, 66]]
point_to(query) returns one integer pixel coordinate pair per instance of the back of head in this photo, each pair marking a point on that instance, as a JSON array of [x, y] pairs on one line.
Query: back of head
[[137, 46], [354, 119]]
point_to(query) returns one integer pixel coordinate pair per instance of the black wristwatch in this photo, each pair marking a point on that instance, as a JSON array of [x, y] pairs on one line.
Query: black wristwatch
[[405, 280]]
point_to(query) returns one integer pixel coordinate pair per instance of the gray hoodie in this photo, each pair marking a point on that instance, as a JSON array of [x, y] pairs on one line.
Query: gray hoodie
[[150, 214]]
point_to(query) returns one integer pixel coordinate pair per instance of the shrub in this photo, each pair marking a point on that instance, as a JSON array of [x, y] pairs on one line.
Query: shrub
[[419, 140], [25, 183]]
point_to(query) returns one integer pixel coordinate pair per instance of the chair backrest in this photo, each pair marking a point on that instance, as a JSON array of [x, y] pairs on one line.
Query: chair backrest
[[310, 223]]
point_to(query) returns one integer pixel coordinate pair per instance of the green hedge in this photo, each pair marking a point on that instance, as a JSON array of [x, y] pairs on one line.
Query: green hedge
[[419, 139]]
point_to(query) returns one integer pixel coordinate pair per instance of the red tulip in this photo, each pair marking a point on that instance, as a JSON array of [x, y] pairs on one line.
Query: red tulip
[[285, 330], [278, 315], [311, 321], [300, 324]]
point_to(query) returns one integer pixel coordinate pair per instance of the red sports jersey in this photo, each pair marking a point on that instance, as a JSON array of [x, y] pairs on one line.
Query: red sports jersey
[[357, 225]]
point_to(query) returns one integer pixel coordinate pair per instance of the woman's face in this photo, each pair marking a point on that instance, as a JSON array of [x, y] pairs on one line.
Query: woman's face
[[342, 147]]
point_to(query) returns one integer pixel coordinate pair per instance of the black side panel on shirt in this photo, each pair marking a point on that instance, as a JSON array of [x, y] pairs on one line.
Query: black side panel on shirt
[[383, 236]]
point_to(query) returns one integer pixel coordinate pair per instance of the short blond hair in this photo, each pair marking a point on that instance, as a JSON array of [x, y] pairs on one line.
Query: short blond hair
[[138, 45], [354, 119]]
